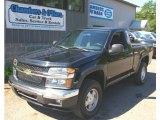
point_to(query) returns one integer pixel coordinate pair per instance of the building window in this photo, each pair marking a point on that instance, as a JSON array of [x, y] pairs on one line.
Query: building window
[[75, 5], [53, 3], [72, 5], [27, 1]]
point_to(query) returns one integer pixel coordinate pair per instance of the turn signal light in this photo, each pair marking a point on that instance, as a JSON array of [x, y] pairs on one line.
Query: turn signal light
[[68, 83], [70, 70]]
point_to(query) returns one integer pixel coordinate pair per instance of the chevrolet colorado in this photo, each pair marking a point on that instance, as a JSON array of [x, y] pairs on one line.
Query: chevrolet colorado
[[73, 73]]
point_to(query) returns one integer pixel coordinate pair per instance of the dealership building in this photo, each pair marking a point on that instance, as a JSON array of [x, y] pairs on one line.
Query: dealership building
[[34, 24]]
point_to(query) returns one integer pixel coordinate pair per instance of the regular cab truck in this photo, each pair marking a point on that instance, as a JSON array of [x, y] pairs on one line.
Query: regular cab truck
[[73, 73]]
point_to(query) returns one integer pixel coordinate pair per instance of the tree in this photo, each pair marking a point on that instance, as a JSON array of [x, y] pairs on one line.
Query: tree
[[148, 12]]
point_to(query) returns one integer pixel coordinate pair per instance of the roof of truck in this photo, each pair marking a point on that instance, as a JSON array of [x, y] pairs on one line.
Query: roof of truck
[[104, 28]]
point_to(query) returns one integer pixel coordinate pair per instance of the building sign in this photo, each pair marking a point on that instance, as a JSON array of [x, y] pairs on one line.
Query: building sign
[[24, 16], [99, 11]]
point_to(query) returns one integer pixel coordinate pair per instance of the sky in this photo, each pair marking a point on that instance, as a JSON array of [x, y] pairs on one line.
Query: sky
[[138, 2]]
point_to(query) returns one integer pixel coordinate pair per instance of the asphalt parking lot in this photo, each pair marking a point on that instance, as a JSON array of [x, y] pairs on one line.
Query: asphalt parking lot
[[122, 101]]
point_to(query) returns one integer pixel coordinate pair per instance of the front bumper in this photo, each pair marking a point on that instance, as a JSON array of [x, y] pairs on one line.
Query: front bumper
[[47, 96]]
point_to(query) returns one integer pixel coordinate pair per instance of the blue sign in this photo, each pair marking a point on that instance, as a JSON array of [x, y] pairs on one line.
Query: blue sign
[[29, 10], [99, 11]]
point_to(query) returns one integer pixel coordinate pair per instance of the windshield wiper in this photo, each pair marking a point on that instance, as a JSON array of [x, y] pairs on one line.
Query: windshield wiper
[[61, 46], [79, 48]]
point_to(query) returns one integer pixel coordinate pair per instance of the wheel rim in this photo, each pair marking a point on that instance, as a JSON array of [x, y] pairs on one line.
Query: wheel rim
[[91, 100], [143, 73]]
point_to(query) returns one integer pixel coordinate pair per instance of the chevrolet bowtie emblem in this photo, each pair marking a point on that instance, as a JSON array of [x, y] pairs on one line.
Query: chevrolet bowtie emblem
[[27, 71]]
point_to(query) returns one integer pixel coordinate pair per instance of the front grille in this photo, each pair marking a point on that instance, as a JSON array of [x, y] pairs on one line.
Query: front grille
[[31, 78], [32, 67]]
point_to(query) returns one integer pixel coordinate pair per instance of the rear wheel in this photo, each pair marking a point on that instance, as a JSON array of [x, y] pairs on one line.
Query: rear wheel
[[89, 100], [140, 76]]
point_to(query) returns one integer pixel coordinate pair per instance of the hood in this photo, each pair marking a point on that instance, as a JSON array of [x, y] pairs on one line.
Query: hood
[[58, 57]]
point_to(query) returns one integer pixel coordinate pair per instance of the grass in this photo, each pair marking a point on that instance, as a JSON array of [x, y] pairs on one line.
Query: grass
[[8, 71]]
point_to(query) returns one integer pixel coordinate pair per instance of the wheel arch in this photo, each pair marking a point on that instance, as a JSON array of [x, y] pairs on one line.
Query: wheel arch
[[97, 75], [143, 59]]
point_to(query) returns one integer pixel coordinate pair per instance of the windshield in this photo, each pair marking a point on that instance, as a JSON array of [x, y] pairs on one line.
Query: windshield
[[137, 34], [84, 39]]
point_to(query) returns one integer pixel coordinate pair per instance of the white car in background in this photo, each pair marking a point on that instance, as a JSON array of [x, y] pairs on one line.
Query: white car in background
[[153, 34], [148, 35]]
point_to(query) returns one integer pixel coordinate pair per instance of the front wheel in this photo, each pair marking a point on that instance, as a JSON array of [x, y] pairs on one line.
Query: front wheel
[[140, 76], [90, 98]]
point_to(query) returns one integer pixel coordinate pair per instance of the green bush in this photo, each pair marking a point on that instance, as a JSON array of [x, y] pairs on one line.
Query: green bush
[[8, 71]]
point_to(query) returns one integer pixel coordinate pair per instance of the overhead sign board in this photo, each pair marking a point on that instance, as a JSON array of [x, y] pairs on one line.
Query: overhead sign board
[[99, 11], [25, 16]]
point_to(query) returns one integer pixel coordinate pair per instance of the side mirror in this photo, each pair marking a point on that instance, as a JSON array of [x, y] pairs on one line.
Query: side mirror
[[117, 48], [131, 38]]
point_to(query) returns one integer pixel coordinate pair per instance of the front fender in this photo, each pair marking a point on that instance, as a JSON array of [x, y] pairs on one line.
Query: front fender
[[84, 71]]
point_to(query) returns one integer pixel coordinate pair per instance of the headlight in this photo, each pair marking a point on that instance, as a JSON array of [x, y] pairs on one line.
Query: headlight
[[60, 77], [58, 83], [62, 73]]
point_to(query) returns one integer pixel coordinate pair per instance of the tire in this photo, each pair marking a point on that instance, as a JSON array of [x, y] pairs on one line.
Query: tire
[[140, 76], [88, 87]]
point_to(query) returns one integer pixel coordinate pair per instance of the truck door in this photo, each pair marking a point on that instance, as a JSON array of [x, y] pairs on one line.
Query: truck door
[[119, 64]]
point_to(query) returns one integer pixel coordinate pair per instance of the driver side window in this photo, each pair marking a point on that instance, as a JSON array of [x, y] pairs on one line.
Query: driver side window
[[119, 38]]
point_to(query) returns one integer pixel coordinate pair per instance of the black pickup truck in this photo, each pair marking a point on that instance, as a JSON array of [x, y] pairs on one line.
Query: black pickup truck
[[73, 73]]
